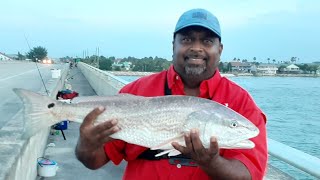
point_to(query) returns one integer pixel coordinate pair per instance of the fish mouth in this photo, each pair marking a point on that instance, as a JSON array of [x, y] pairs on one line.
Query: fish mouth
[[244, 144]]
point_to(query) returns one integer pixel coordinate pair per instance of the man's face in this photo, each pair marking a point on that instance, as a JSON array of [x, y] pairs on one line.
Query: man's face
[[196, 53]]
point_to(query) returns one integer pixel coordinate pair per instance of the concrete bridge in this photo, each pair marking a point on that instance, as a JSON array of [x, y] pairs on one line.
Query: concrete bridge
[[18, 157]]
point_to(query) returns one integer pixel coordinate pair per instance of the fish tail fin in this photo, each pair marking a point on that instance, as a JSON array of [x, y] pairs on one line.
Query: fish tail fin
[[36, 112]]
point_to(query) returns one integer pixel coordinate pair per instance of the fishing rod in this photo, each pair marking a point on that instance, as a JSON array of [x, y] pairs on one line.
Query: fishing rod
[[44, 85]]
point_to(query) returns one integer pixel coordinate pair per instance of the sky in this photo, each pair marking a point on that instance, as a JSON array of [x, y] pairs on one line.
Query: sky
[[250, 28]]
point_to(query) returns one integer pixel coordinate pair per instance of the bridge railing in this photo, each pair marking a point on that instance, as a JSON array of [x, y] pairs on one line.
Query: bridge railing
[[107, 84]]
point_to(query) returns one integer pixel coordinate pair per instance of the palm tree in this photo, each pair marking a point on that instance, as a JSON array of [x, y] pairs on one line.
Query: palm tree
[[293, 59], [273, 61], [268, 60]]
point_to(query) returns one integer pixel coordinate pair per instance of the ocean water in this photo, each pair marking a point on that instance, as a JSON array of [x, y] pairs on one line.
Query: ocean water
[[292, 107]]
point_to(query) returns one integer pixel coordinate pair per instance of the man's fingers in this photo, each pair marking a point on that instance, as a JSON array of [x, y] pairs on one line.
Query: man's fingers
[[198, 148], [179, 147], [196, 142], [187, 140], [105, 125], [88, 120], [214, 147], [108, 132]]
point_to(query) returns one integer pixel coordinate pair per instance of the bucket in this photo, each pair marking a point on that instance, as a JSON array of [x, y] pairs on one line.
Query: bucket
[[47, 167], [55, 73]]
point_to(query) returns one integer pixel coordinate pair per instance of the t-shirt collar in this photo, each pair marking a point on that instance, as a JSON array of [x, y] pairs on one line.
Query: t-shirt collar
[[207, 87]]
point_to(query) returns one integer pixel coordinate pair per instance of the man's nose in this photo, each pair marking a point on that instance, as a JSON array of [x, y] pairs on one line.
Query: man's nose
[[196, 47]]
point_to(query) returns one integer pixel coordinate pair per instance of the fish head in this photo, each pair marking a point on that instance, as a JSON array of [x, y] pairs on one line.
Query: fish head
[[231, 129]]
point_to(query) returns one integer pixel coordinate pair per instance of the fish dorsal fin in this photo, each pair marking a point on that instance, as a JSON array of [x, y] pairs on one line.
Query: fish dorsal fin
[[85, 99]]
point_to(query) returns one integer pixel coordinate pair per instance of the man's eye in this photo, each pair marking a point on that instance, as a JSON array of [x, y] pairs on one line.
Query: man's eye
[[208, 41], [186, 39]]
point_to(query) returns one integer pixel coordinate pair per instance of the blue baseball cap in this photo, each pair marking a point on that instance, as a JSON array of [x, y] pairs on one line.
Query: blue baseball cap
[[199, 17]]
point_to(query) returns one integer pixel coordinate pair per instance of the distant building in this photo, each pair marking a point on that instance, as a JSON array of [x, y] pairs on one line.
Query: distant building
[[124, 65], [4, 57], [291, 69], [240, 67], [127, 65], [267, 69]]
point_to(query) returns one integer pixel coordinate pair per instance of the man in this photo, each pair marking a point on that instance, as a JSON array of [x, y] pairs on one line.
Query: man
[[197, 49]]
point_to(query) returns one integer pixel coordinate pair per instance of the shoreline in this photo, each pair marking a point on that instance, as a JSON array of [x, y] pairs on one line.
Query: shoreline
[[136, 73]]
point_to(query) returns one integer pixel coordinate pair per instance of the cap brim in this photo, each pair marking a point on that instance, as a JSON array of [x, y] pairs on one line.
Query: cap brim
[[197, 24]]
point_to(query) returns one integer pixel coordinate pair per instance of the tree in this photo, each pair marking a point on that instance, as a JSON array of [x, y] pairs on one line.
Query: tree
[[37, 53], [268, 60], [281, 68], [313, 68], [293, 59], [303, 67], [221, 67], [254, 59], [273, 61], [105, 64], [117, 68], [229, 67], [20, 56]]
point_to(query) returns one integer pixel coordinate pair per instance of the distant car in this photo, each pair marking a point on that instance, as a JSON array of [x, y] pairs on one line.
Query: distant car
[[47, 61]]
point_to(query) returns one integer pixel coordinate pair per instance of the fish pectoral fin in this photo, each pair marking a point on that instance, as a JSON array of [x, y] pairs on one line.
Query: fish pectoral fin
[[167, 143]]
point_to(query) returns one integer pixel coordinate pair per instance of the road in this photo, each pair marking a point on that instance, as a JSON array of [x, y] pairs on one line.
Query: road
[[20, 75]]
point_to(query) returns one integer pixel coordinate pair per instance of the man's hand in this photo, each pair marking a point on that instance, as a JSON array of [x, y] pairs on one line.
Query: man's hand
[[94, 136], [209, 160], [195, 150], [90, 149]]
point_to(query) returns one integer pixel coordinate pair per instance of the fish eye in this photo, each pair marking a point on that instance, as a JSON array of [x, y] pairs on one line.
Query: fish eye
[[51, 105], [234, 124]]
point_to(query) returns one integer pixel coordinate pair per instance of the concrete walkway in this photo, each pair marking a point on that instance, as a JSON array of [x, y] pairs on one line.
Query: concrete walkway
[[63, 151]]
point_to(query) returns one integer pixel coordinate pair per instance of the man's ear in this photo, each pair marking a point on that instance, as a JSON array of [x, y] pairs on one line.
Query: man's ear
[[172, 46], [220, 48]]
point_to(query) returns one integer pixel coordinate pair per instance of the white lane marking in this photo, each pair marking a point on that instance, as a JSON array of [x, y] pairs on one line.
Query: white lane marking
[[10, 77]]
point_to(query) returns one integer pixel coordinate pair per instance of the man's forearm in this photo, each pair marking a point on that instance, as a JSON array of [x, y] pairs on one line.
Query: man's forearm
[[222, 168], [91, 159]]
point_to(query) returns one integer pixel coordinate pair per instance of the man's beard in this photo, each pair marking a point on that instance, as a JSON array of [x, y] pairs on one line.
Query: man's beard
[[194, 70]]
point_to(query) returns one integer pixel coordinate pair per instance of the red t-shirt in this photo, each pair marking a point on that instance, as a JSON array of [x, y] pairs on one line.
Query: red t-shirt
[[217, 88]]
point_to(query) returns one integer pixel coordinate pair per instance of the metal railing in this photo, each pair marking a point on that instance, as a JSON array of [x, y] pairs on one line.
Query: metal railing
[[294, 157]]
